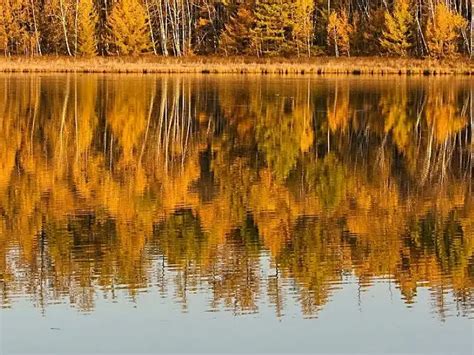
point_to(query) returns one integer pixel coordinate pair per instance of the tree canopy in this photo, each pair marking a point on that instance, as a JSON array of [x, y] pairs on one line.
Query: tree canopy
[[237, 27]]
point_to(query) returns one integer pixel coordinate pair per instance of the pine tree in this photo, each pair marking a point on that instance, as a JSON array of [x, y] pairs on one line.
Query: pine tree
[[339, 31], [128, 28], [396, 37], [272, 21], [87, 22], [443, 31], [372, 32], [236, 37]]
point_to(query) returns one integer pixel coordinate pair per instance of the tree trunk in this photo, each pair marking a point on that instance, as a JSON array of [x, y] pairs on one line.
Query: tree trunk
[[162, 17], [471, 51], [36, 27], [64, 24], [151, 27]]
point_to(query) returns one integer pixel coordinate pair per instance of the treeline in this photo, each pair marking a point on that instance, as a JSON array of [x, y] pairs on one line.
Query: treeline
[[418, 28]]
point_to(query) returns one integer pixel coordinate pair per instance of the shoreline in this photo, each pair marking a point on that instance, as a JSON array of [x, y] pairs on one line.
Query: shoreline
[[239, 65]]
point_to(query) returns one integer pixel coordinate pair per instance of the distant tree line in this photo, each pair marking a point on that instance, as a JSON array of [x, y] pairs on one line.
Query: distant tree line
[[419, 28]]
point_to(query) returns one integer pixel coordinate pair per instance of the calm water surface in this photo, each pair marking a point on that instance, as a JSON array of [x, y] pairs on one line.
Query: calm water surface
[[236, 214]]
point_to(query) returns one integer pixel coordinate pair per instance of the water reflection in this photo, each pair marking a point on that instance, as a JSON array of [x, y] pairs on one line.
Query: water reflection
[[249, 189]]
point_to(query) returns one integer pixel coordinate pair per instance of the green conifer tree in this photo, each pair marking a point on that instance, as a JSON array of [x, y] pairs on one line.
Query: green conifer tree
[[272, 26], [236, 37]]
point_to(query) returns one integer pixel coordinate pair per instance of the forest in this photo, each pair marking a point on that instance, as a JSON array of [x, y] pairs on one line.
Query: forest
[[258, 28]]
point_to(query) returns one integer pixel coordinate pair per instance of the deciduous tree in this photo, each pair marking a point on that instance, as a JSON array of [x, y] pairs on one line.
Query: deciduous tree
[[338, 32], [397, 35], [443, 31]]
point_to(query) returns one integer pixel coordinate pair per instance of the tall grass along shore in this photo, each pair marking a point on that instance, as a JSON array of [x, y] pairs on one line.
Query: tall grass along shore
[[239, 65]]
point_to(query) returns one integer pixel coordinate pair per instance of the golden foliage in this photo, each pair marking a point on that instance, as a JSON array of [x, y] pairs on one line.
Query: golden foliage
[[87, 22], [128, 27], [443, 31], [339, 31], [396, 37]]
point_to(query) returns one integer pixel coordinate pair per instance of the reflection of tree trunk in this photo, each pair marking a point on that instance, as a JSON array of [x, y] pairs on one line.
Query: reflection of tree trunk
[[111, 145], [471, 148], [75, 119], [188, 127], [150, 110], [163, 113], [35, 114], [427, 164], [63, 119]]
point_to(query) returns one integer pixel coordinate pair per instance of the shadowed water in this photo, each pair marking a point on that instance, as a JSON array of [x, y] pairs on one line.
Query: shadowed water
[[257, 213]]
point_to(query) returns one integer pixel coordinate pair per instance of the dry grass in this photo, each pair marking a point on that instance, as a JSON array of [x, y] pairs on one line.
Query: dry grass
[[240, 65]]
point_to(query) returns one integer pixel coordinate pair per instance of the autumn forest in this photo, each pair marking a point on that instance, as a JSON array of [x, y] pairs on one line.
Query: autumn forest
[[260, 28]]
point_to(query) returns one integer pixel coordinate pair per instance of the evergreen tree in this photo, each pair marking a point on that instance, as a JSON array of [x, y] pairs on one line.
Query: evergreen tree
[[129, 28], [272, 25], [87, 22], [372, 32], [236, 38], [443, 31], [397, 35]]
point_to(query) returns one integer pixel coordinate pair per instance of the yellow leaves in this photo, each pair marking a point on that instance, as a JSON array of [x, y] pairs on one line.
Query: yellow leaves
[[397, 121], [203, 22], [128, 27], [87, 22], [303, 29], [307, 138], [446, 123], [443, 31], [3, 29], [127, 116], [338, 110], [397, 34], [14, 34], [444, 116], [339, 31]]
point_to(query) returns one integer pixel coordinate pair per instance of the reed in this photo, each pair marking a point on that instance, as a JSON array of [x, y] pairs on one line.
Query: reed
[[240, 65]]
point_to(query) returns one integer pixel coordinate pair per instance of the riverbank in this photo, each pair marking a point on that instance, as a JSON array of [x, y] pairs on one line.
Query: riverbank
[[240, 65]]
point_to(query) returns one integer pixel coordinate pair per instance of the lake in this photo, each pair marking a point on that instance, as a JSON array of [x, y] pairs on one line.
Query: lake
[[206, 213]]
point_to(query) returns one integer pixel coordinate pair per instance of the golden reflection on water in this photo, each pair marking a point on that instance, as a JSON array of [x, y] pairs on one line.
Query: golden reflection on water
[[244, 187]]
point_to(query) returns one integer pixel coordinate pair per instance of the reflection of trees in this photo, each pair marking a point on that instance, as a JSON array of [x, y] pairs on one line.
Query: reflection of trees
[[327, 178]]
